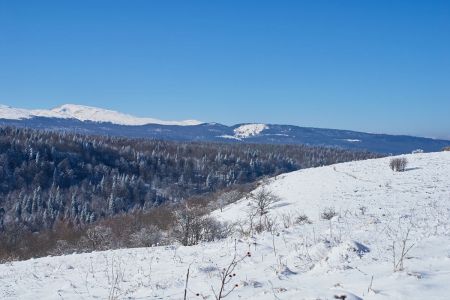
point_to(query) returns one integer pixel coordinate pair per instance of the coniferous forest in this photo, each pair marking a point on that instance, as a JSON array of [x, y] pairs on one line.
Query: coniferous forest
[[49, 178]]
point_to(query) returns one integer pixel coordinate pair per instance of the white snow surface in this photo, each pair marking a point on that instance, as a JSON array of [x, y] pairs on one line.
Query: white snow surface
[[248, 130], [231, 137], [322, 260], [86, 113]]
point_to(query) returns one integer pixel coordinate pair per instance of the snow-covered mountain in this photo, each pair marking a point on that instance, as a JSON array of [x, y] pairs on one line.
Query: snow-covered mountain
[[348, 256], [86, 113], [91, 120], [248, 130]]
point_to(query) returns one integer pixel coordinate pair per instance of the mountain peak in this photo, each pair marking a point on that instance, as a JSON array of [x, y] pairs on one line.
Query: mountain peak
[[86, 113]]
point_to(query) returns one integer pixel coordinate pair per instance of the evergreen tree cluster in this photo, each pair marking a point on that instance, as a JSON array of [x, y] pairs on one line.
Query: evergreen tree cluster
[[49, 177]]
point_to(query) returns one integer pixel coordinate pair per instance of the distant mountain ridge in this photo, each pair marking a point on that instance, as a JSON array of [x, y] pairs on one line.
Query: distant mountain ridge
[[85, 113], [97, 121]]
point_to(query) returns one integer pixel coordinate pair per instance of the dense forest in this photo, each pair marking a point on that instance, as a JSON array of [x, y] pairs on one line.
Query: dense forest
[[49, 178], [45, 176]]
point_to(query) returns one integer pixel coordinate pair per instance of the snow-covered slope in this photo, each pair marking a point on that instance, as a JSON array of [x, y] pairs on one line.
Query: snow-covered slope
[[244, 131], [11, 113], [351, 255], [248, 130], [86, 113]]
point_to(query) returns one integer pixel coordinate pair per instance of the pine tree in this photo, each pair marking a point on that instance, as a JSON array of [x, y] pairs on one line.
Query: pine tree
[[112, 204]]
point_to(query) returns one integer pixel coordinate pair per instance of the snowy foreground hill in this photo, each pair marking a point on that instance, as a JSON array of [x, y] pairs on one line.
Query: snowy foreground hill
[[347, 257]]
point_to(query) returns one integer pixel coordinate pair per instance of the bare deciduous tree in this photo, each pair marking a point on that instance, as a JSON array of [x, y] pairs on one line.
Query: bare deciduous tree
[[262, 201], [228, 198], [188, 228]]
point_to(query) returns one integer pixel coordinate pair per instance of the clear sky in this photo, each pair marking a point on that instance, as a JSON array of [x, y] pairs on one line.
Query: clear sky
[[377, 66]]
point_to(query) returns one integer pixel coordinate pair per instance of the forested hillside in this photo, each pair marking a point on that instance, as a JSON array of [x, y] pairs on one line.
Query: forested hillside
[[49, 178]]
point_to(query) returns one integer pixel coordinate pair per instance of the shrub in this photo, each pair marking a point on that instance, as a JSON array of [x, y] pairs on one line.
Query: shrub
[[226, 276], [216, 230], [266, 223], [328, 213], [287, 220], [303, 219], [193, 226], [147, 237], [228, 198], [62, 247], [446, 148], [99, 237], [398, 164], [362, 209]]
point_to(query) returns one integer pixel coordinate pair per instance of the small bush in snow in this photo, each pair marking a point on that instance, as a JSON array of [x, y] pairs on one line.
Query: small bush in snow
[[446, 148], [147, 237], [362, 209], [328, 213], [401, 242], [287, 220], [193, 226], [99, 237], [257, 224], [266, 224], [62, 247], [302, 219], [215, 230], [398, 164]]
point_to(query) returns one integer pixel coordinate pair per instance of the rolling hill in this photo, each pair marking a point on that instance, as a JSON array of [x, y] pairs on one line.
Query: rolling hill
[[305, 255]]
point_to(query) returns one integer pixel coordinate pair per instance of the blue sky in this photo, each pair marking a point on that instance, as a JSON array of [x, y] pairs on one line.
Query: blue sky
[[377, 66]]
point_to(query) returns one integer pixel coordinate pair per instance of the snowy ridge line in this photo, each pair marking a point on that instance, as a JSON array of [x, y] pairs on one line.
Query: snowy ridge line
[[86, 113]]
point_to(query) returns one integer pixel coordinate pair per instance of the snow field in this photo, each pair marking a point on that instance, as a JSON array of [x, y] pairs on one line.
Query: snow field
[[351, 255]]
